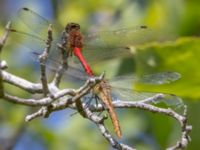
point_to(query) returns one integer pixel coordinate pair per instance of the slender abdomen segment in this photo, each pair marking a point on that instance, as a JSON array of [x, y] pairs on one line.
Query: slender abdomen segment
[[106, 98], [77, 53]]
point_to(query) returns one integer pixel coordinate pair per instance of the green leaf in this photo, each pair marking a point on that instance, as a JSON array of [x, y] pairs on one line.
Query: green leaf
[[182, 56]]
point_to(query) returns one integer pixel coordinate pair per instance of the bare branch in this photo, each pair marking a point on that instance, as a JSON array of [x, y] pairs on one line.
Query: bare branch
[[117, 104], [99, 121], [45, 111], [77, 94], [145, 105], [40, 102], [185, 138], [63, 67], [42, 59], [5, 36], [2, 43], [21, 83], [65, 55]]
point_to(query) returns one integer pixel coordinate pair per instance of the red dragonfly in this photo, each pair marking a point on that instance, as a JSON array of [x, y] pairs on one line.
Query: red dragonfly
[[121, 88], [103, 45], [94, 47]]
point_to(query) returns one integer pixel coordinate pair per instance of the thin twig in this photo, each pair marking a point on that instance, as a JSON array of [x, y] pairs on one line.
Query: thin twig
[[38, 102], [43, 58], [5, 36], [99, 121], [185, 138], [80, 107], [2, 43], [64, 56], [63, 67]]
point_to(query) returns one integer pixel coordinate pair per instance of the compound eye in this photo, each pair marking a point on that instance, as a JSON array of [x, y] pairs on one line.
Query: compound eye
[[71, 26]]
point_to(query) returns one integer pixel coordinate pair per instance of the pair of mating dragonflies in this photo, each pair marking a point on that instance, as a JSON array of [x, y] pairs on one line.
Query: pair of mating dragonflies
[[97, 47]]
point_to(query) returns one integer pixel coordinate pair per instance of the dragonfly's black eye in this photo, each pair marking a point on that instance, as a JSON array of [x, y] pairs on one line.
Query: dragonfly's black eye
[[70, 26], [75, 25]]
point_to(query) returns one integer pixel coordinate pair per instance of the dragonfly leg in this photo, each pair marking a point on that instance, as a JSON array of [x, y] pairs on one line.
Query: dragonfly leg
[[87, 105], [97, 101], [81, 107]]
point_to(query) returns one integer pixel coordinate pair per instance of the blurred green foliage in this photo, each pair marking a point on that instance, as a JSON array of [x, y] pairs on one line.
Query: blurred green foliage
[[182, 56], [177, 22]]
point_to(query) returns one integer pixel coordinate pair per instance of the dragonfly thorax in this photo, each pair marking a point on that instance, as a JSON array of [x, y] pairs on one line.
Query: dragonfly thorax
[[103, 85], [74, 36]]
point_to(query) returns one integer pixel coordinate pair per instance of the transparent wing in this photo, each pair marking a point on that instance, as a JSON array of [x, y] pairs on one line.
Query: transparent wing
[[117, 43], [39, 27], [160, 78], [127, 81], [30, 41], [34, 42], [73, 71], [97, 54], [120, 37], [37, 23], [33, 20], [130, 95]]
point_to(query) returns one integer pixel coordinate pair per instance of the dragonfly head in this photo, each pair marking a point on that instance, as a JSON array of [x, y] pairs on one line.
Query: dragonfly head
[[72, 27], [73, 35]]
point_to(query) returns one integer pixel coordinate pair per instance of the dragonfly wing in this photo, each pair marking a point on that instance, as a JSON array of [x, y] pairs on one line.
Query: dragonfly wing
[[38, 26], [120, 37], [123, 87], [30, 41], [112, 44], [160, 78], [97, 54], [127, 81], [72, 73], [53, 62], [33, 20], [129, 95], [34, 42]]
